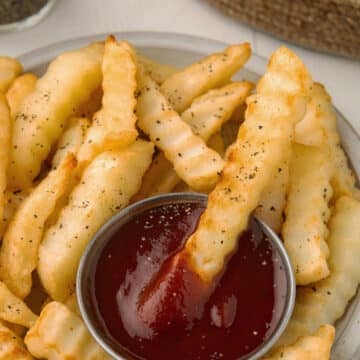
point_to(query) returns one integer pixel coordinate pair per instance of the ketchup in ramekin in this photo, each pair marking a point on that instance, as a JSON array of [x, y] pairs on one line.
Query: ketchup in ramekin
[[237, 317]]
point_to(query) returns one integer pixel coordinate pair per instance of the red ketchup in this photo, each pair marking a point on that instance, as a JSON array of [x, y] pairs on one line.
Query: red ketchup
[[152, 305]]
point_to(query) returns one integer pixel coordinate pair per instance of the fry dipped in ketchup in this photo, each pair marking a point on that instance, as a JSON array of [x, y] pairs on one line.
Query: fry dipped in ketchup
[[263, 139]]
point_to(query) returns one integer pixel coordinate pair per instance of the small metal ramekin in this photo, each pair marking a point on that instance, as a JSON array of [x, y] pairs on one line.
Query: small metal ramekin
[[94, 249]]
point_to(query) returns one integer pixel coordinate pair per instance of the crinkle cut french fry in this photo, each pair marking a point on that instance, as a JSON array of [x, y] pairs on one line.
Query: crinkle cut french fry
[[325, 301], [251, 163], [193, 161], [205, 116], [12, 347], [307, 213], [19, 251], [309, 347], [157, 71], [10, 68], [59, 334], [263, 140], [286, 74], [273, 198], [68, 82], [13, 309], [21, 87], [214, 70], [71, 139], [5, 138], [322, 118], [106, 186], [114, 125]]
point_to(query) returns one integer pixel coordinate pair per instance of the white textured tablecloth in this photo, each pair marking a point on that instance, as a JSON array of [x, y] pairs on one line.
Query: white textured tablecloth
[[74, 18]]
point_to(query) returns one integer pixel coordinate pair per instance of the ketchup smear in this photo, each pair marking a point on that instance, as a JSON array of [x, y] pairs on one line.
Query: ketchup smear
[[237, 316]]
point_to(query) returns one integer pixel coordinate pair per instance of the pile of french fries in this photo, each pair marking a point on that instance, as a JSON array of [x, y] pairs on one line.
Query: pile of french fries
[[105, 126]]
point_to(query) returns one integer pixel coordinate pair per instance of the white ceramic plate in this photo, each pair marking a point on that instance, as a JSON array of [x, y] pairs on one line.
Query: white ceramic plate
[[180, 50]]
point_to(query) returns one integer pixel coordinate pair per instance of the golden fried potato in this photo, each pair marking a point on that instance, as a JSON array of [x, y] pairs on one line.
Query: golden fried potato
[[69, 81], [12, 347], [106, 186], [10, 68], [70, 140], [59, 334], [263, 141], [19, 251], [13, 309], [325, 301], [308, 347], [307, 213], [5, 141], [285, 74], [321, 119], [273, 198], [214, 70], [157, 71], [114, 125], [205, 116], [21, 87]]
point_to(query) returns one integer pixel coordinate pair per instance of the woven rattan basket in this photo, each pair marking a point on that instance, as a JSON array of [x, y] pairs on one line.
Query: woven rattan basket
[[327, 25]]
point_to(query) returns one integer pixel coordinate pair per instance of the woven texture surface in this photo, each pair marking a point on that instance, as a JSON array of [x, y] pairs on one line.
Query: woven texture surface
[[327, 25]]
